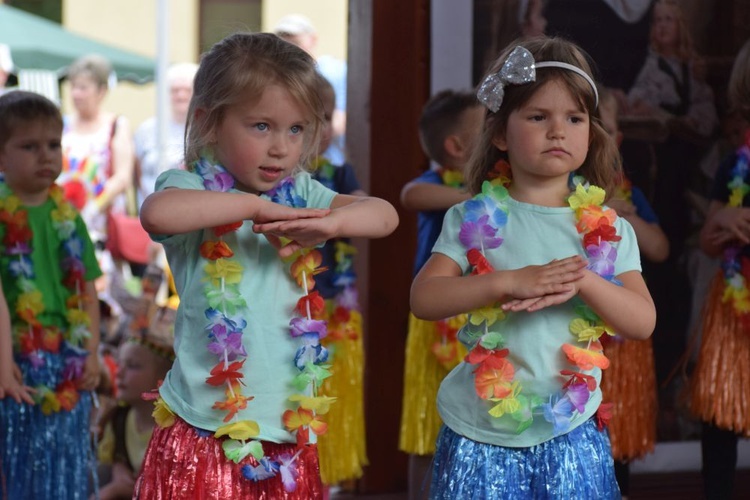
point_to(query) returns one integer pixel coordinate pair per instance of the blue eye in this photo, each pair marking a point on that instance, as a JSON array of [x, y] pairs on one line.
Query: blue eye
[[296, 129], [261, 126]]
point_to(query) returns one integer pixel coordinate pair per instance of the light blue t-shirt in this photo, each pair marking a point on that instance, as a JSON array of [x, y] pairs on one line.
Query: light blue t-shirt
[[534, 235], [271, 296]]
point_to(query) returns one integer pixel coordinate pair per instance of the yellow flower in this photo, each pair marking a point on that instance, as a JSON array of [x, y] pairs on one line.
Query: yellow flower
[[319, 405], [585, 331], [78, 317], [30, 301], [63, 212], [583, 197], [241, 431], [228, 270], [50, 403], [162, 414], [508, 404], [456, 322], [490, 314], [344, 250]]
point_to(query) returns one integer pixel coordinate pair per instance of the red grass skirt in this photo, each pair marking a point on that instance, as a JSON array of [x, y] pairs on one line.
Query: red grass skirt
[[184, 462], [630, 385], [720, 385]]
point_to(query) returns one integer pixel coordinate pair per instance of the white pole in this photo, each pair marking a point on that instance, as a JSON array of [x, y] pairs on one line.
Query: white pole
[[162, 90]]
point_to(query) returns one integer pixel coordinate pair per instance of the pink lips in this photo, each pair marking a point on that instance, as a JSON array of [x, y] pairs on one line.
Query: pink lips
[[271, 174]]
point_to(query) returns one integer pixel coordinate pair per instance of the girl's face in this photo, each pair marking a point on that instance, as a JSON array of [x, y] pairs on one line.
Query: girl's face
[[260, 141], [136, 372], [31, 159], [548, 137], [87, 95], [665, 28]]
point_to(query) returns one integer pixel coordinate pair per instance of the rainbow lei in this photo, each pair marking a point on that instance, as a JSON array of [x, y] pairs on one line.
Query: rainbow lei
[[344, 320], [736, 290], [494, 375], [30, 335], [226, 328]]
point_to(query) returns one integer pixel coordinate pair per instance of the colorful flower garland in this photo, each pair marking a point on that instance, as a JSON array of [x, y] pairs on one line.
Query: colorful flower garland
[[494, 381], [736, 290], [226, 328], [30, 335]]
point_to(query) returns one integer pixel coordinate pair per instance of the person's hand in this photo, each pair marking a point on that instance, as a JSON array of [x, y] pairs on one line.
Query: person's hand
[[623, 207], [303, 233], [270, 212], [11, 385], [535, 287], [735, 223], [91, 373]]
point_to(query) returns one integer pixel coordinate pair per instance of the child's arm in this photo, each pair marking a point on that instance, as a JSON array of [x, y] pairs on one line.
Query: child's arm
[[424, 196], [652, 242], [724, 225], [10, 384], [440, 291], [176, 211], [349, 217], [91, 369]]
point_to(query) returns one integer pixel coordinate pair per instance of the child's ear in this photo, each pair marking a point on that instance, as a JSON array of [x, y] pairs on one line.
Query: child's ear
[[453, 146], [500, 142]]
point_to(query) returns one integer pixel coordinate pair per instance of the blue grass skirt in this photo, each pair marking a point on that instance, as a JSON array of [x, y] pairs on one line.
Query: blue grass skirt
[[46, 457], [576, 465]]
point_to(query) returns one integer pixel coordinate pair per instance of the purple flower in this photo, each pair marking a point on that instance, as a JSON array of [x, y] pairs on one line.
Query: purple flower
[[302, 326], [226, 342], [479, 234], [289, 473], [18, 248], [579, 395], [348, 298], [602, 259]]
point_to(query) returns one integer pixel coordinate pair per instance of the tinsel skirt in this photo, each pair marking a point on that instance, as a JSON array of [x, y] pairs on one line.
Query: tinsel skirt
[[46, 457], [575, 465], [630, 385], [720, 384], [342, 449], [184, 462]]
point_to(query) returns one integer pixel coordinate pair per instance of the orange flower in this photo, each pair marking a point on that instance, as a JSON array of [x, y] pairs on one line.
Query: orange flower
[[67, 395], [235, 402], [494, 382], [227, 228], [306, 266], [213, 250], [586, 359], [293, 420]]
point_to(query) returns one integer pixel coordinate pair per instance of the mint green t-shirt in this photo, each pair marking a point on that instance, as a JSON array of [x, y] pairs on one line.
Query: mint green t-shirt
[[46, 253], [271, 295], [534, 235]]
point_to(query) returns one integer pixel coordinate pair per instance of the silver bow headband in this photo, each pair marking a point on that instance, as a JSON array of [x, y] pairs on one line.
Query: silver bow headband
[[520, 68]]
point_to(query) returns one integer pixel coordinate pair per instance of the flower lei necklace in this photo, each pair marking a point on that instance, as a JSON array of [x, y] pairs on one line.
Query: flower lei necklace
[[32, 337], [344, 321], [736, 290], [486, 214], [226, 328]]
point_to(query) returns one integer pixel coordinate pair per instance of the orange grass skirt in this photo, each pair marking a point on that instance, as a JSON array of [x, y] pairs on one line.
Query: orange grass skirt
[[630, 385], [720, 385], [423, 373], [342, 449]]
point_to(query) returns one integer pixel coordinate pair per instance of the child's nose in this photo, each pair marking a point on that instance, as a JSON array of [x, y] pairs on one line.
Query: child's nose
[[279, 145]]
